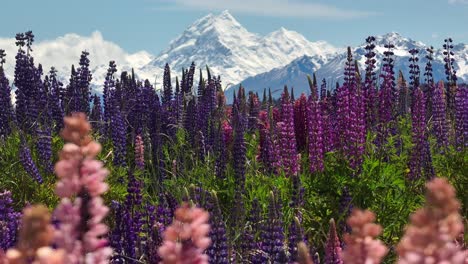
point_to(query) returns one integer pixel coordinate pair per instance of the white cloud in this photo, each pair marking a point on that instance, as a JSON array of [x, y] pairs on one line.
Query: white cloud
[[64, 51], [274, 8], [453, 2]]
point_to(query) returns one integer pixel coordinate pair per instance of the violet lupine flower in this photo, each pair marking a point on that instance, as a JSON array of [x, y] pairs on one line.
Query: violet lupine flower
[[6, 115], [414, 68], [428, 76], [295, 236], [96, 114], [55, 100], [80, 231], [218, 250], [28, 163], [300, 122], [116, 235], [239, 152], [167, 86], [449, 62], [109, 86], [315, 136], [370, 92], [287, 138], [83, 82], [461, 117], [119, 138], [323, 89], [345, 208], [132, 217], [440, 125], [433, 229], [221, 154], [44, 148], [249, 247], [187, 237], [333, 246], [361, 245], [9, 221], [254, 107], [273, 235], [419, 135], [139, 152]]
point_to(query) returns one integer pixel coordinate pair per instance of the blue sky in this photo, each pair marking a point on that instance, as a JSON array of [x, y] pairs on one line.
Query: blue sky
[[150, 24]]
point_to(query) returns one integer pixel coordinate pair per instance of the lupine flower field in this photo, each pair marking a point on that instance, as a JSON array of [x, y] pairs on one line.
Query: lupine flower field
[[370, 170]]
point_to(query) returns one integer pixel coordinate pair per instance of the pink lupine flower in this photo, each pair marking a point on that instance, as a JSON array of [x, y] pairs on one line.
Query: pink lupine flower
[[139, 153], [187, 237], [80, 186], [361, 245], [431, 235]]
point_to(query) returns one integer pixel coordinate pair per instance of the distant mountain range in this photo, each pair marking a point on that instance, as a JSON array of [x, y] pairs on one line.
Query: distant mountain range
[[239, 56]]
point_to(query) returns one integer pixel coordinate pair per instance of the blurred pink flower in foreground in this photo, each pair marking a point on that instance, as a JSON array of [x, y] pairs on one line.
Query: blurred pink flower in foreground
[[431, 235], [186, 238]]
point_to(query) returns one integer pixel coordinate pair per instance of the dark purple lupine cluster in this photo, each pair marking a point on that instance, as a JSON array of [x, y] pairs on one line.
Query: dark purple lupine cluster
[[239, 151], [84, 78], [450, 72], [439, 114], [461, 117], [167, 86], [428, 73], [44, 148], [419, 136], [218, 251], [132, 216], [6, 114], [370, 92], [9, 221], [323, 89], [96, 114], [55, 105], [273, 234], [28, 163], [287, 138], [414, 68], [109, 86], [254, 108], [300, 122], [315, 136], [119, 138], [295, 235]]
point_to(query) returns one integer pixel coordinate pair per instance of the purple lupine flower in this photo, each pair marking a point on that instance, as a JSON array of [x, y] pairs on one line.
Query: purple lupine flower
[[333, 246], [55, 100], [96, 114], [44, 148], [345, 208], [218, 250], [315, 136], [287, 138], [440, 125], [449, 62], [414, 68], [239, 152], [428, 76], [323, 89], [84, 78], [369, 83], [133, 217], [295, 235], [6, 115], [273, 235], [117, 234], [461, 117], [221, 154], [109, 86], [153, 236], [249, 245], [267, 153], [254, 107], [300, 122], [28, 163], [167, 86], [119, 138], [419, 135], [9, 221]]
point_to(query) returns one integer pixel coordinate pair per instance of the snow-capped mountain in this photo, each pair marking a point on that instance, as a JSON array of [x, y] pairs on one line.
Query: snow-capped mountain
[[295, 73], [231, 51]]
